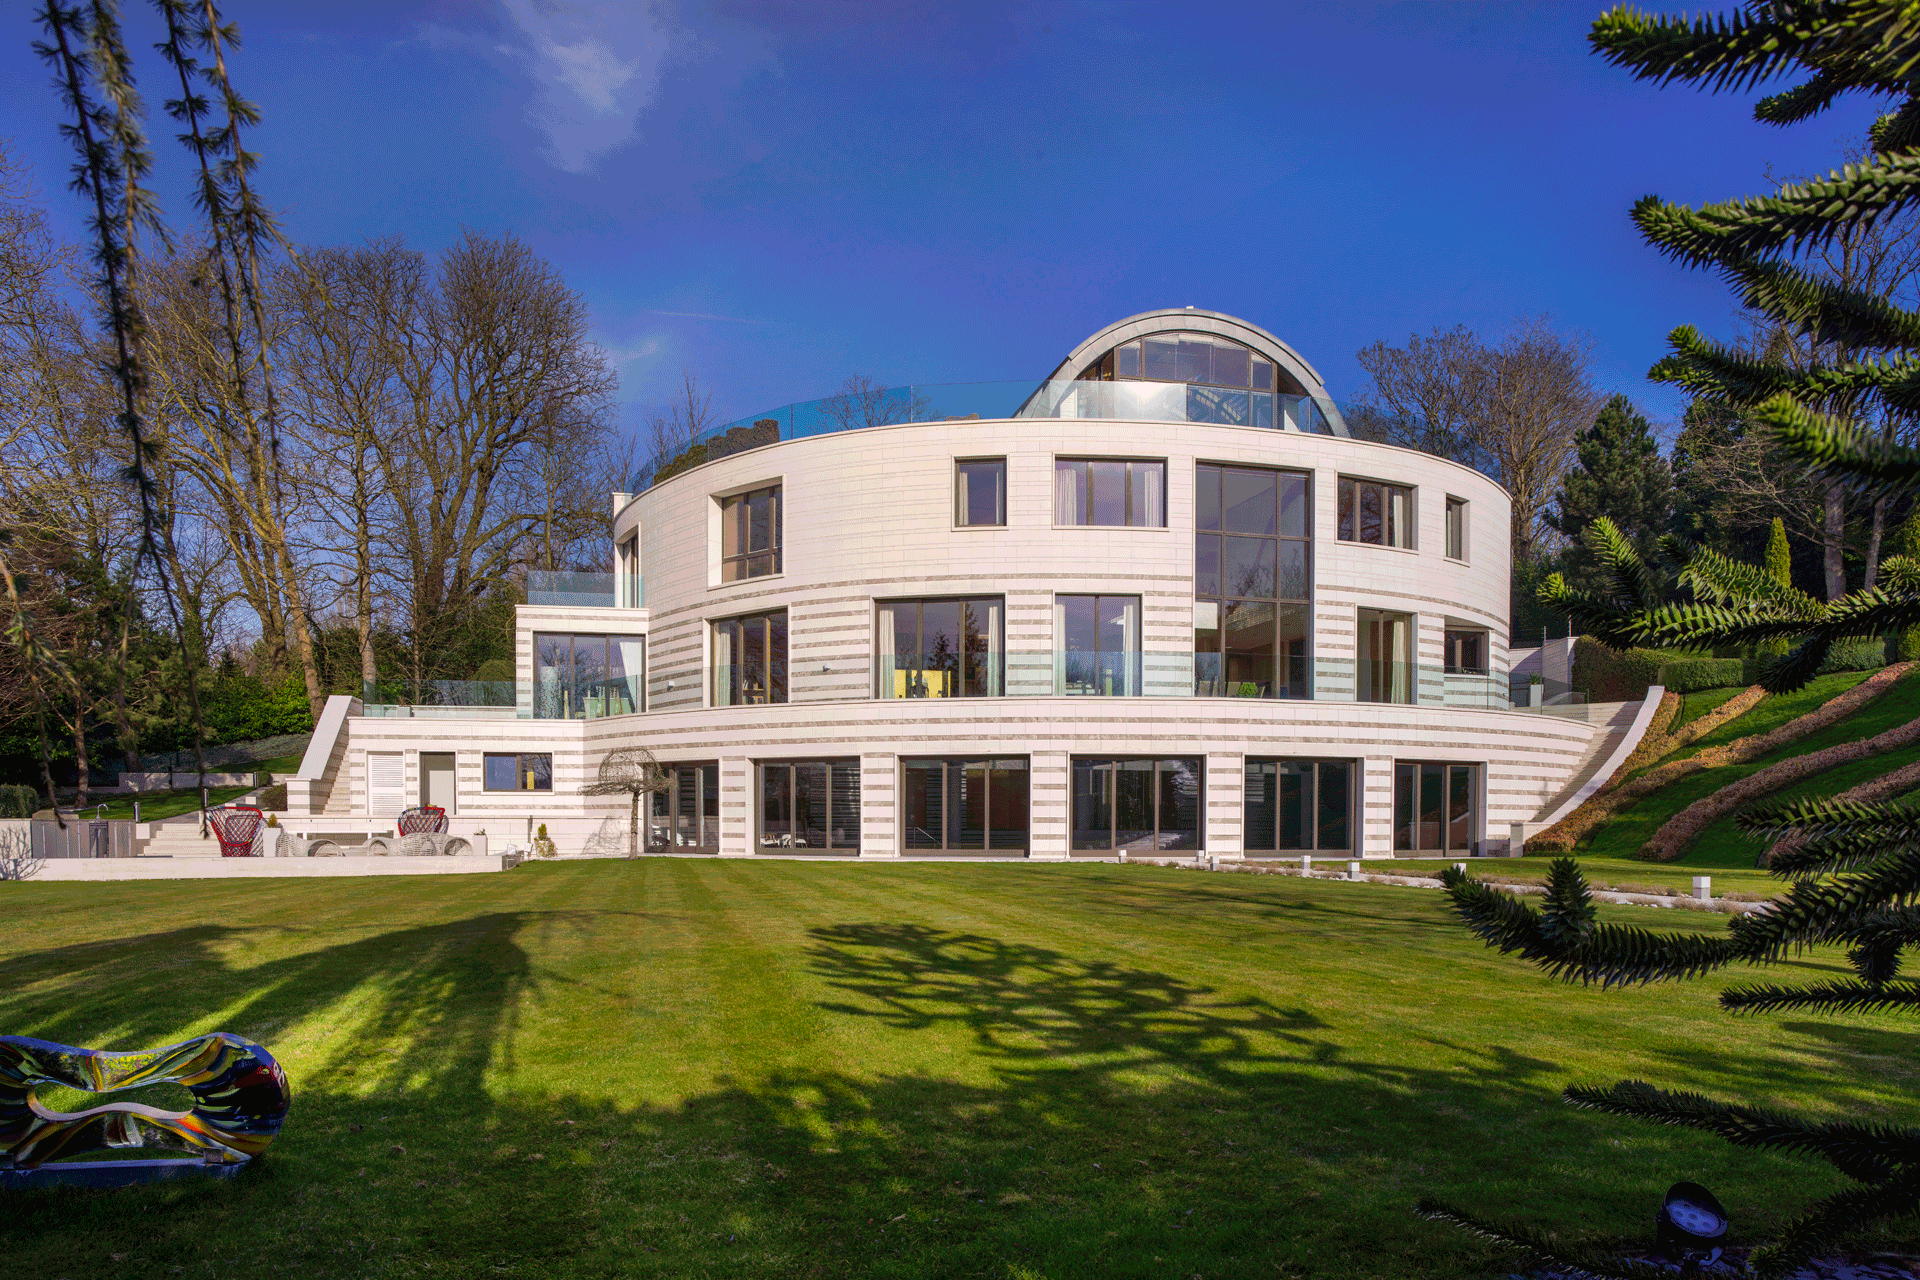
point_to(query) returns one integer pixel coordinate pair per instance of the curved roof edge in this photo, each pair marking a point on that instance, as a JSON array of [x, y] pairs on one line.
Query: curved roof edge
[[1196, 320]]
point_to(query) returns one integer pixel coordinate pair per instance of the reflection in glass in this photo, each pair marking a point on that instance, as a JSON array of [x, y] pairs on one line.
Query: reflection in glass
[[1142, 806], [1302, 806], [750, 660], [1381, 514], [587, 677], [1251, 583], [1099, 639], [812, 804], [941, 648], [686, 816], [980, 496], [750, 534], [1435, 808], [965, 806]]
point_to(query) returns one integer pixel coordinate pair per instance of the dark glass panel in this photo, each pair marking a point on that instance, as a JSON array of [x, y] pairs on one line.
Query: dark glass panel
[[776, 805], [1335, 802], [1230, 365], [760, 521], [1248, 642], [1195, 360], [1133, 804], [941, 643], [1092, 804], [1432, 805], [1206, 497], [1291, 631], [1291, 579], [810, 800], [1107, 496], [1262, 374], [1206, 564], [1079, 631], [753, 660], [1348, 525], [777, 658], [1008, 815], [1459, 808], [1263, 409], [538, 772], [1294, 511], [1372, 519], [1248, 570], [846, 804], [1127, 361], [502, 772], [1258, 801], [968, 813], [1296, 801], [1405, 778], [1179, 804], [1110, 613], [983, 487], [1163, 359], [1211, 404], [1251, 501], [1069, 492], [925, 804]]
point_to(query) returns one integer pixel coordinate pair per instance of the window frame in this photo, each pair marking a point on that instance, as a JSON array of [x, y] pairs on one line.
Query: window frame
[[759, 803], [1131, 489], [960, 520], [1355, 772], [1347, 516], [706, 788], [996, 653], [989, 764], [1449, 666], [628, 554], [1409, 816], [1361, 684], [1456, 529], [636, 689], [1289, 671], [1075, 849], [744, 557], [519, 771], [785, 667]]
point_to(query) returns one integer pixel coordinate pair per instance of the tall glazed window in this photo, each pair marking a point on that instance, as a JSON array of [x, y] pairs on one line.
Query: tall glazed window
[[587, 677], [1099, 639], [941, 648], [750, 660], [1303, 806], [965, 806], [750, 534], [686, 815], [810, 805], [1252, 578], [1135, 805], [1436, 808], [1385, 670]]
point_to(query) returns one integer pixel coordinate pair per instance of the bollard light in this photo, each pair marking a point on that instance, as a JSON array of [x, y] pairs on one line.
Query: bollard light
[[1691, 1225], [1353, 870]]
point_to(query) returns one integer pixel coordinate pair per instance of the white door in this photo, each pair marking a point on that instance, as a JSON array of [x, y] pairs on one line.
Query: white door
[[386, 784], [436, 780]]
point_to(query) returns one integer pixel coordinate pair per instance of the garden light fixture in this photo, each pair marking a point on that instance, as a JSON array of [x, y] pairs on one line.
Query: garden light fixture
[[1691, 1225]]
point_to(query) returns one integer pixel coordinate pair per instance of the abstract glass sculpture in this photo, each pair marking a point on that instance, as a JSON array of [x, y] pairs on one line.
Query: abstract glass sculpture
[[240, 1101]]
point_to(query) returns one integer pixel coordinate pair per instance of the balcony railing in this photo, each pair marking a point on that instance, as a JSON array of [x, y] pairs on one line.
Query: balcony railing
[[580, 590]]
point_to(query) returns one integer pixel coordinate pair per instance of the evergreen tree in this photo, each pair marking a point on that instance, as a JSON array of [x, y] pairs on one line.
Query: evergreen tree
[[1856, 879], [1622, 476], [1779, 555]]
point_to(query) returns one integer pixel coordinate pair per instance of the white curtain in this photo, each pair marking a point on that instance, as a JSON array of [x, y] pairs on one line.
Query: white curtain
[[892, 683], [1069, 492], [1147, 511], [724, 683]]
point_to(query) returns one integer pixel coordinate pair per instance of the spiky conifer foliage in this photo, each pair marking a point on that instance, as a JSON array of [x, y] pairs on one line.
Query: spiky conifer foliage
[[1855, 879]]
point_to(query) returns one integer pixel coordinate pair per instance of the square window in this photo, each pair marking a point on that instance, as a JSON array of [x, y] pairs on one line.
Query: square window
[[1374, 512], [750, 534]]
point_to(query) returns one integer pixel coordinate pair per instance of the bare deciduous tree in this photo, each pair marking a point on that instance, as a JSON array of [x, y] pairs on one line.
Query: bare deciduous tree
[[862, 402], [634, 773]]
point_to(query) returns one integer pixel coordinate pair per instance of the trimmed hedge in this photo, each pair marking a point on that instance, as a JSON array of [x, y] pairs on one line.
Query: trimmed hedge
[[1848, 655], [1624, 676], [1695, 674]]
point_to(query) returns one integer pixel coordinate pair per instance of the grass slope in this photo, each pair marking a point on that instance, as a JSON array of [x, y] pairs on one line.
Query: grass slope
[[677, 1067]]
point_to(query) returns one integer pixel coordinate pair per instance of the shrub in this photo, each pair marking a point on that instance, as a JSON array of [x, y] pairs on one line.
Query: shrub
[[1605, 675], [17, 801], [1695, 674]]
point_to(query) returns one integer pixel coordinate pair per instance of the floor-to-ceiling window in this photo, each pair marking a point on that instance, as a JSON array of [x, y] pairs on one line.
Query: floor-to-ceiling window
[[750, 660], [685, 817], [1303, 806], [1251, 583], [940, 648], [587, 677], [1139, 805], [809, 805], [1099, 639], [965, 806], [1385, 670], [1436, 808]]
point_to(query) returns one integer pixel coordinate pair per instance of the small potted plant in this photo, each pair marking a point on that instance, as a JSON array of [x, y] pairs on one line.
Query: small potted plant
[[543, 845]]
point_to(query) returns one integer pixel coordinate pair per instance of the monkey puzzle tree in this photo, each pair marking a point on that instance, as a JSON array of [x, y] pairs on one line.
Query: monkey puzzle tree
[[1856, 877]]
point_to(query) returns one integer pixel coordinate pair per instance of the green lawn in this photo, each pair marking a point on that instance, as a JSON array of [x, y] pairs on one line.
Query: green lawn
[[678, 1067], [156, 805], [1771, 712], [1700, 702]]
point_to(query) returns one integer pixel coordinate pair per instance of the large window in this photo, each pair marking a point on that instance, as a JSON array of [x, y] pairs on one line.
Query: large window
[[1107, 491], [940, 648], [965, 806], [750, 660], [980, 491], [810, 804], [1466, 653], [1436, 808], [1251, 582], [1099, 638], [522, 771], [587, 677], [1374, 512], [1142, 806], [1386, 671], [750, 534], [686, 816], [1457, 528], [1303, 806]]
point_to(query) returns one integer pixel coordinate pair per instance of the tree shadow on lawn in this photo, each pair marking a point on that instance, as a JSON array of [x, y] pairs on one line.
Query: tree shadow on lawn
[[1133, 1123]]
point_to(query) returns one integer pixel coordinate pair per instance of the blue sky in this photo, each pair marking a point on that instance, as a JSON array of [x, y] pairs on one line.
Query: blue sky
[[779, 195]]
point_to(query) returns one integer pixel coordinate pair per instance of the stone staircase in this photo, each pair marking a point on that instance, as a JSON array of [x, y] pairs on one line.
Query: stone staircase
[[1611, 722]]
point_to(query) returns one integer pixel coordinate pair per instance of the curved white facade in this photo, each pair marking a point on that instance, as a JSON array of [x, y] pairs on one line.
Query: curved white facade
[[869, 517]]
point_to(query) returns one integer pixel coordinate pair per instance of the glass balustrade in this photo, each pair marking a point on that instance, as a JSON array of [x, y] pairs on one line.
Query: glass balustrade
[[584, 590]]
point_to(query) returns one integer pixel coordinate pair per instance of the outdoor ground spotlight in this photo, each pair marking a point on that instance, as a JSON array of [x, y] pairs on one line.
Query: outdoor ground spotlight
[[1691, 1226]]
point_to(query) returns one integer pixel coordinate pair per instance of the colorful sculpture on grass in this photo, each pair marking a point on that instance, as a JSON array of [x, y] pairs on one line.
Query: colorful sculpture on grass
[[240, 1100]]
